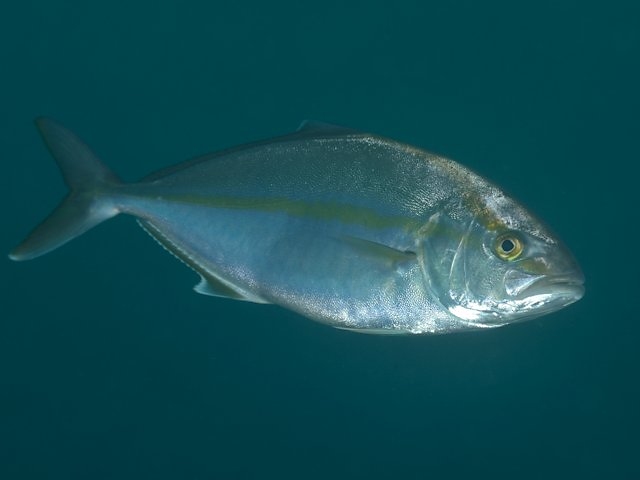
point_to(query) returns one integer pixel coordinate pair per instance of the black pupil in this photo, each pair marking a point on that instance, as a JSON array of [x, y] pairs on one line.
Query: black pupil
[[507, 245]]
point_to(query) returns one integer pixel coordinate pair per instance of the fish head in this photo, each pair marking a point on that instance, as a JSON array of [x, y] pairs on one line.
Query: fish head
[[493, 268]]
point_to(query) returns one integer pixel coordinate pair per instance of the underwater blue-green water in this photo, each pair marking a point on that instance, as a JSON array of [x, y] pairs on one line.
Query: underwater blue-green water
[[112, 368]]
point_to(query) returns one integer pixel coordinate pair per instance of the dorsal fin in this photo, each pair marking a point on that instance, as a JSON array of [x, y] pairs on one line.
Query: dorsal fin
[[314, 128], [307, 130]]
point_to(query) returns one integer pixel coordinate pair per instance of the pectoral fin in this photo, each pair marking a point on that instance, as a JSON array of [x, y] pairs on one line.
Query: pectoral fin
[[391, 257]]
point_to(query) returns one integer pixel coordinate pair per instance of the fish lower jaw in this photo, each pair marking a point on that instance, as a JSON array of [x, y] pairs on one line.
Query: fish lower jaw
[[476, 314]]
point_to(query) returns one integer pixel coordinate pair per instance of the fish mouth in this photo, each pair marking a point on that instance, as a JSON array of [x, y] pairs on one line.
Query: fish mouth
[[571, 284], [549, 293], [530, 296]]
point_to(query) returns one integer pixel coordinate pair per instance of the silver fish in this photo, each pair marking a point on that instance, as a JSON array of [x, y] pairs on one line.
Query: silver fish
[[347, 228]]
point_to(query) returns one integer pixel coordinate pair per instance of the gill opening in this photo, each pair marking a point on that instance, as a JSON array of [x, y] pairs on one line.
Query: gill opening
[[458, 278]]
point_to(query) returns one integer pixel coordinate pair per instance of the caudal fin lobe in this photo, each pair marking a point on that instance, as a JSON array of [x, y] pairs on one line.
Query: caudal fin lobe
[[88, 202]]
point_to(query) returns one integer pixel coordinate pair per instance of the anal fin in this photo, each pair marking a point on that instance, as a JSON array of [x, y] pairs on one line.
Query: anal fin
[[209, 284]]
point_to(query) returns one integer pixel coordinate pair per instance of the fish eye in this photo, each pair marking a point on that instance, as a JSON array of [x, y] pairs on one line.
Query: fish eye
[[508, 246]]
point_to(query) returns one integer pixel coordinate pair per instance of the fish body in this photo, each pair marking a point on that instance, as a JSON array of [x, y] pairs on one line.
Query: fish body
[[347, 228]]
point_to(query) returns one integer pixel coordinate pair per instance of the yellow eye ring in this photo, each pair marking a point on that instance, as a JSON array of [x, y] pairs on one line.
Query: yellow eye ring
[[508, 246]]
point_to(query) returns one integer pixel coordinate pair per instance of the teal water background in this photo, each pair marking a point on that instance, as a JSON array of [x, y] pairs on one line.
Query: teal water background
[[112, 368]]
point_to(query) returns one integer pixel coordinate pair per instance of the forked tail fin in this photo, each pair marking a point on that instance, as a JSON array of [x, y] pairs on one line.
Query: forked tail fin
[[88, 202]]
